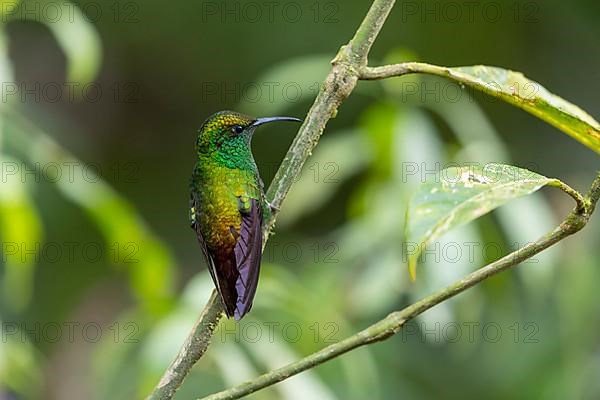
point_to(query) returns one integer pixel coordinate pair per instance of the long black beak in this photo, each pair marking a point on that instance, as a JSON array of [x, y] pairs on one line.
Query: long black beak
[[260, 121]]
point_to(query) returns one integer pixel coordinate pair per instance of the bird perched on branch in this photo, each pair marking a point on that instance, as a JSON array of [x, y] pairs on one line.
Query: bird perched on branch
[[228, 206]]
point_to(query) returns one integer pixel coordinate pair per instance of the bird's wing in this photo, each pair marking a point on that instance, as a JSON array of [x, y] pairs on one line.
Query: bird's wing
[[235, 272], [248, 251]]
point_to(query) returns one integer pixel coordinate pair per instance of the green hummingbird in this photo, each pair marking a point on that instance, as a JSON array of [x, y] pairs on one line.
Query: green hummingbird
[[228, 206]]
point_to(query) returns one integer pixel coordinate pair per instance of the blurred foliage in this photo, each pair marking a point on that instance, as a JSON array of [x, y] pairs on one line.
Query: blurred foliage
[[336, 263]]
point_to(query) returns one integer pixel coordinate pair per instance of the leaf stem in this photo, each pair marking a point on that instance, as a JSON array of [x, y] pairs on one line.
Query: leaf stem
[[578, 197], [392, 70]]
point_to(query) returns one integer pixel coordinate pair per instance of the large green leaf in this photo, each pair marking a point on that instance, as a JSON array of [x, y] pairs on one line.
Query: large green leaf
[[514, 88], [458, 195]]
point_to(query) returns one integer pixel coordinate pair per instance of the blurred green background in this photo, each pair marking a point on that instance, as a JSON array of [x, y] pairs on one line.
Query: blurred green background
[[101, 277]]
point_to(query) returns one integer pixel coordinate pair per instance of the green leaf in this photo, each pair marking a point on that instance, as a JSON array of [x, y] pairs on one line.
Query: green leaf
[[514, 88], [21, 235], [75, 34], [81, 43], [459, 195]]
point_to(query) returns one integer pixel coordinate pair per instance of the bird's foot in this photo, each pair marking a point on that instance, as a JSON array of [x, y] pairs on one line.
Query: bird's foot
[[273, 208]]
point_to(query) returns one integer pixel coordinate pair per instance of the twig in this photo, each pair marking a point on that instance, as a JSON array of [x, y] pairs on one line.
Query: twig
[[579, 199], [390, 325], [388, 71], [337, 86], [193, 348]]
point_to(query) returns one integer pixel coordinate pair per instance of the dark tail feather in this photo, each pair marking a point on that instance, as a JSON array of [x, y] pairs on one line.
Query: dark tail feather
[[226, 277]]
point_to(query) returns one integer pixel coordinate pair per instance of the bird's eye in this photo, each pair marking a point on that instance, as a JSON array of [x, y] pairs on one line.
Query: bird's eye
[[237, 129]]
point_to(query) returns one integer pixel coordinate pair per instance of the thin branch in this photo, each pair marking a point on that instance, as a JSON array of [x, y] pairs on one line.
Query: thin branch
[[367, 32], [336, 88], [579, 199], [192, 350], [390, 325], [388, 71]]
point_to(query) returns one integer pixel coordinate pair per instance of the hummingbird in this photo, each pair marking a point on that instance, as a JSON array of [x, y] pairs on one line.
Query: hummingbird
[[228, 206]]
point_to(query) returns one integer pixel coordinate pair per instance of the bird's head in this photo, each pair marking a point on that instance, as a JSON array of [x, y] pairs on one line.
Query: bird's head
[[228, 133]]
